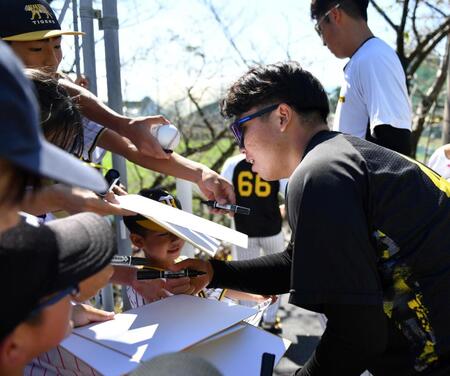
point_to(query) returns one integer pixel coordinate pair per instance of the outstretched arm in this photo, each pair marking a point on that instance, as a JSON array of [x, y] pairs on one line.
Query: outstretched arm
[[211, 184], [137, 130]]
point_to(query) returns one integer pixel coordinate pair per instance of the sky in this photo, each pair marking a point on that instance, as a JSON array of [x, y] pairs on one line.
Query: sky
[[168, 46]]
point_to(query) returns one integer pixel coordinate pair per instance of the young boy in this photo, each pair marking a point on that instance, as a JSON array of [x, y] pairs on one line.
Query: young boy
[[163, 249], [49, 266]]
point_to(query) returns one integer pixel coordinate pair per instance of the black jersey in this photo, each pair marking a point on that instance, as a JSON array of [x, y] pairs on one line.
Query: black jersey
[[373, 227], [257, 194]]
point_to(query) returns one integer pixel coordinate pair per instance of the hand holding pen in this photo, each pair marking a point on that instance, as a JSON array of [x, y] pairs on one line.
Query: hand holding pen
[[227, 207], [149, 273], [146, 271]]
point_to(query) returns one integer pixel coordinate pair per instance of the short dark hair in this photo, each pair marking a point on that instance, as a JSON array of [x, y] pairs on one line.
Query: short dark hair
[[354, 8], [60, 117], [14, 183], [283, 82]]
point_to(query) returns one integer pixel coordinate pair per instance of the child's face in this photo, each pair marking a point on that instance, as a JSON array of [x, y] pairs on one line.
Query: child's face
[[35, 336], [54, 326], [45, 53], [163, 247]]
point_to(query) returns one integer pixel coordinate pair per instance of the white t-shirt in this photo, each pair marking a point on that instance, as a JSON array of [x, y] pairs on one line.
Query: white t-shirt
[[374, 90], [440, 163]]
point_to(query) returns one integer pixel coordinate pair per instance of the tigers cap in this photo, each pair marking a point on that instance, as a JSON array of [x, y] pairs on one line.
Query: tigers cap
[[29, 20]]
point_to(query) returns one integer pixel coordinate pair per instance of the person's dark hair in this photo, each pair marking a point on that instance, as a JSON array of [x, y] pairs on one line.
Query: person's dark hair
[[14, 183], [284, 82], [354, 8], [60, 118]]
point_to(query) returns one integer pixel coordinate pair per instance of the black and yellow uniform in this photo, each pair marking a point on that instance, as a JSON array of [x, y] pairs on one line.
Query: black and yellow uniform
[[370, 250], [257, 194]]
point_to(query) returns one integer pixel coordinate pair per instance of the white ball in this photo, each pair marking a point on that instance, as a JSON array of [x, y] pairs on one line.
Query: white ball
[[167, 135]]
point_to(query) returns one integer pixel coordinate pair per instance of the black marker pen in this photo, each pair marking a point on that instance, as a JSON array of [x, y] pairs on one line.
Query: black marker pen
[[230, 207], [155, 274], [119, 260]]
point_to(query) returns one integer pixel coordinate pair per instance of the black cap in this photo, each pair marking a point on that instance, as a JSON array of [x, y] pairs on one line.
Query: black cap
[[135, 222], [29, 20], [21, 139], [38, 260]]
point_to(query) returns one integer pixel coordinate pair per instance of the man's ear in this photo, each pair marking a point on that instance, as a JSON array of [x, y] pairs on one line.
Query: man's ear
[[336, 16], [13, 351], [137, 240], [285, 112]]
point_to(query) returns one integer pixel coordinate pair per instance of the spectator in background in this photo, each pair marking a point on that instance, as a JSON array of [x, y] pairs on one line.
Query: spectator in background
[[440, 161], [263, 225], [373, 102]]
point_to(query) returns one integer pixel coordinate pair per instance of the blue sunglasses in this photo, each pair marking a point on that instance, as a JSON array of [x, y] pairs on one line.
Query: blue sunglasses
[[238, 130], [72, 290]]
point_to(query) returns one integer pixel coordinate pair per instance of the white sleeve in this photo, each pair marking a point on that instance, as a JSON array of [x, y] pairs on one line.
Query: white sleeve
[[228, 169], [433, 161], [92, 133], [384, 90]]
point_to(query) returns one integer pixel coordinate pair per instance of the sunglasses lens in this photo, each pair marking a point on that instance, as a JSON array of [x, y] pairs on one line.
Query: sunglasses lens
[[236, 129]]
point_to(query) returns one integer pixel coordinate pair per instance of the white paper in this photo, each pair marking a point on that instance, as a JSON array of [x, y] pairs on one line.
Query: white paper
[[240, 352], [204, 242], [104, 360], [161, 213], [168, 325]]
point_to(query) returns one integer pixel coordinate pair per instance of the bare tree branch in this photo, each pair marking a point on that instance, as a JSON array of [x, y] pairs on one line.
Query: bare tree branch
[[440, 32], [414, 20], [201, 113], [401, 29], [226, 32], [384, 15], [421, 55], [429, 99], [436, 9]]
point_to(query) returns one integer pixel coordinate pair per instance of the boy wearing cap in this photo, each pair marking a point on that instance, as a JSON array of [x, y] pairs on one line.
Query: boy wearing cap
[[49, 266], [38, 45], [44, 264], [162, 249]]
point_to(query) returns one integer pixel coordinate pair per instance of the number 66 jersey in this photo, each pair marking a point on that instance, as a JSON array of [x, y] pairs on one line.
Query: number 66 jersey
[[257, 194]]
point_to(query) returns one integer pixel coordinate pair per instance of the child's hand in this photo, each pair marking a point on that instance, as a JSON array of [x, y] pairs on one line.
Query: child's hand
[[156, 289], [83, 314], [200, 282]]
